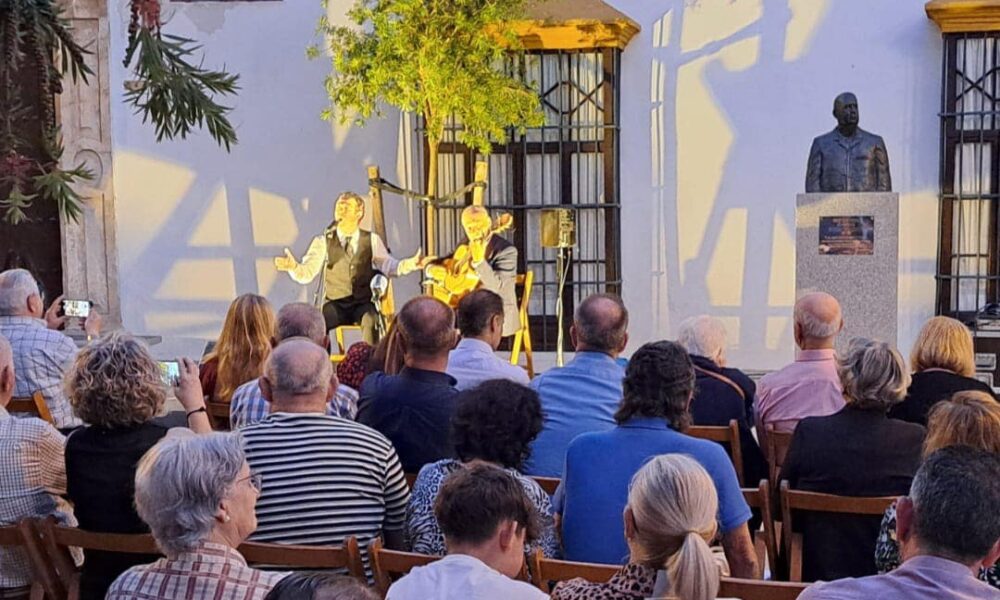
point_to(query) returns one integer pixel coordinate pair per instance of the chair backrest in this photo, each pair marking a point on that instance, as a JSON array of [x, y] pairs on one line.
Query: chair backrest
[[777, 448], [525, 280], [218, 414], [34, 405], [549, 484], [729, 435], [389, 565], [766, 540], [820, 503], [346, 556], [752, 589], [546, 570], [25, 535]]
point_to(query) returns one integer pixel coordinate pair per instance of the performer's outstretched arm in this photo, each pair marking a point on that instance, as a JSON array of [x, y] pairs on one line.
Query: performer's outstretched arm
[[385, 262], [309, 267]]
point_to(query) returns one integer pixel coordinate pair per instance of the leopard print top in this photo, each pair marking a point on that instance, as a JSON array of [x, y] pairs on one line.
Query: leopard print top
[[633, 582]]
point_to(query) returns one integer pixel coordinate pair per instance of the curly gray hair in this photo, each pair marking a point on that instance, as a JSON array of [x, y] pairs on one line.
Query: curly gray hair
[[179, 483], [873, 375]]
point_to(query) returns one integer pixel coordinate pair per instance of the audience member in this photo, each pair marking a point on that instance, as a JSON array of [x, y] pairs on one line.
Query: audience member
[[583, 395], [32, 478], [324, 478], [857, 451], [480, 321], [721, 394], [414, 408], [42, 355], [970, 419], [116, 387], [352, 370], [658, 385], [948, 529], [320, 585], [943, 362], [197, 494], [297, 319], [670, 520], [495, 422], [809, 387], [387, 355], [486, 519], [242, 348]]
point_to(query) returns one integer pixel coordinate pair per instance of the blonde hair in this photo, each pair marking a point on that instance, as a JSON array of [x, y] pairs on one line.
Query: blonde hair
[[244, 344], [970, 418], [944, 343], [114, 382], [674, 505], [872, 374]]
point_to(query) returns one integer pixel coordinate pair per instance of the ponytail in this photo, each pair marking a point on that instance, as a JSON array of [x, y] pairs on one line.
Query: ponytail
[[693, 570]]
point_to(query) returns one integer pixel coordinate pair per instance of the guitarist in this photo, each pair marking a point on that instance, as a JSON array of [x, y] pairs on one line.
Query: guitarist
[[494, 259]]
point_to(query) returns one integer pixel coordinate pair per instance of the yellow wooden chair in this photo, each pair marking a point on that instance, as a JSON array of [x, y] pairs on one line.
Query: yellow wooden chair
[[522, 338]]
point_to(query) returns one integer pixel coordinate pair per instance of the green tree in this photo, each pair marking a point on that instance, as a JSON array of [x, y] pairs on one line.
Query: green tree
[[434, 58]]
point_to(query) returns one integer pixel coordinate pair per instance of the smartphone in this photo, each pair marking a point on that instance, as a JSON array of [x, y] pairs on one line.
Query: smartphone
[[76, 308], [170, 371]]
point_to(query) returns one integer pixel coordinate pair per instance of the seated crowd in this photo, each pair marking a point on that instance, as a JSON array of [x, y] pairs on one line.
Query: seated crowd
[[319, 454]]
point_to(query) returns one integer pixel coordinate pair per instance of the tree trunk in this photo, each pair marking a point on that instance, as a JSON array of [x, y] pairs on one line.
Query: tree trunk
[[430, 214]]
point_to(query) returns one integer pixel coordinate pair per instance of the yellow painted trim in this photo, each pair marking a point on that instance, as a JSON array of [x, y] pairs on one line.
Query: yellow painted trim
[[574, 34], [960, 16]]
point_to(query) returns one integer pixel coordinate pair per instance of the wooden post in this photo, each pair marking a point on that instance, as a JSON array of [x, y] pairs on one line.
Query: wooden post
[[482, 169], [378, 226]]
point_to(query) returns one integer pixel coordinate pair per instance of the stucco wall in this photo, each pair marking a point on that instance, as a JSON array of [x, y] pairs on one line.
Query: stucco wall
[[720, 101]]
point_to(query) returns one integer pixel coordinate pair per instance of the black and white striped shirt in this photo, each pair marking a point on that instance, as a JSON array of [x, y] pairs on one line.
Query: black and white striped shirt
[[324, 478]]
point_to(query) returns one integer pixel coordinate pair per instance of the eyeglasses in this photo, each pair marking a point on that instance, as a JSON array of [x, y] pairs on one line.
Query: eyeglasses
[[256, 481]]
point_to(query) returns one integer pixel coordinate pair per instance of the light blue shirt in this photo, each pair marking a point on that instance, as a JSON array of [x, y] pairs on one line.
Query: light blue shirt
[[920, 578], [473, 362], [578, 398]]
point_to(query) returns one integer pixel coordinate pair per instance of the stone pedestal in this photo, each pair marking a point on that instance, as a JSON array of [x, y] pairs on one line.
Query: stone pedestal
[[847, 244]]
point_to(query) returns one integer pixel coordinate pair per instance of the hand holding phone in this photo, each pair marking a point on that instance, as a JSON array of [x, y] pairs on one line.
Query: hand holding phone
[[170, 371], [76, 308]]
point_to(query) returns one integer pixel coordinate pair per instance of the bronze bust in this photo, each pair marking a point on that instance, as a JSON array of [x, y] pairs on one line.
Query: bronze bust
[[848, 159]]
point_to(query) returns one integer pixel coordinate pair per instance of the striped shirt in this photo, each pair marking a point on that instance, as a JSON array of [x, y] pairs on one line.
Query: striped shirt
[[41, 358], [324, 478]]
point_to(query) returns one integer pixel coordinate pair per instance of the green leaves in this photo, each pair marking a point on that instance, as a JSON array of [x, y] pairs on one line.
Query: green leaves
[[175, 95]]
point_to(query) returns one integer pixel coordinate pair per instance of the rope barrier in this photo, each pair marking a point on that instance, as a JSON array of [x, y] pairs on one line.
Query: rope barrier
[[387, 186]]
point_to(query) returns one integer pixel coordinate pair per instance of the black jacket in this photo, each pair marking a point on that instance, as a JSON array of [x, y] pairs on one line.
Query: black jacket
[[930, 387]]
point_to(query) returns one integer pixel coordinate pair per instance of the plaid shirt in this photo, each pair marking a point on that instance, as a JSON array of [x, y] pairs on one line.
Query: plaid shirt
[[210, 571], [32, 479], [248, 405], [41, 358]]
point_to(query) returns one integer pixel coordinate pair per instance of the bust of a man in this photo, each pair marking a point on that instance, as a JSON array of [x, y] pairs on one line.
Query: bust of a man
[[848, 159]]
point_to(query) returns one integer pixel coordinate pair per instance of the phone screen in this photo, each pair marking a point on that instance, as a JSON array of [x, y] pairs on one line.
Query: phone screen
[[170, 371], [76, 308]]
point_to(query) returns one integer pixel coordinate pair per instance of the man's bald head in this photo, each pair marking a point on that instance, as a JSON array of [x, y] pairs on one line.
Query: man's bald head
[[298, 372], [6, 372], [427, 328], [818, 320], [600, 324], [299, 319]]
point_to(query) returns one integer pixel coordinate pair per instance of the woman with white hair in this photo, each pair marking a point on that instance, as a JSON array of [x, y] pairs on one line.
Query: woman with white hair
[[858, 451], [670, 519], [198, 496]]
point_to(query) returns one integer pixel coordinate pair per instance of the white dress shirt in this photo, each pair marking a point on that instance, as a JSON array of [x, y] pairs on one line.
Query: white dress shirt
[[314, 260], [461, 577], [473, 362]]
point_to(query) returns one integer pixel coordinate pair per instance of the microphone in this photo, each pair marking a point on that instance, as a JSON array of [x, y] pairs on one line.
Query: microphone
[[379, 285]]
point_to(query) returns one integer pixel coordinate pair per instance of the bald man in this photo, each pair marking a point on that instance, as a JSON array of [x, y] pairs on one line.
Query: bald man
[[414, 408], [810, 386], [305, 456]]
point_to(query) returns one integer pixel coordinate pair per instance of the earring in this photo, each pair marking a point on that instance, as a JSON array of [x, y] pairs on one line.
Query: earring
[[225, 518]]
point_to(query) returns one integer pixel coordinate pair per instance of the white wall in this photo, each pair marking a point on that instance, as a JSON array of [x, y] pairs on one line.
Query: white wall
[[720, 101]]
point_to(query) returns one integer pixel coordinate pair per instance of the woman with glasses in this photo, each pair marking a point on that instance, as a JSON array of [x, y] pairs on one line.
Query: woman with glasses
[[197, 495]]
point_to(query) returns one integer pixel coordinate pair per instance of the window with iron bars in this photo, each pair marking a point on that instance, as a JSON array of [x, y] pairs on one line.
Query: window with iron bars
[[572, 161]]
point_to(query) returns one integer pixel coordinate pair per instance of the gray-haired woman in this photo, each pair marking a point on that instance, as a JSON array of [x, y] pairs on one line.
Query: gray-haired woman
[[197, 495], [858, 451]]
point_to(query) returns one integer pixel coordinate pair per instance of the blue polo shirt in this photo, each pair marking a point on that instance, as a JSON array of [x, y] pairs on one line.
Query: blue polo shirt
[[599, 467], [578, 398]]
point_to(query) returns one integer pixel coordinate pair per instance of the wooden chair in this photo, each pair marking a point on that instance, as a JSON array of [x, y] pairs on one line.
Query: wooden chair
[[777, 443], [752, 589], [523, 335], [546, 570], [389, 565], [58, 539], [338, 335], [549, 484], [729, 435], [766, 541], [820, 503], [346, 556], [24, 536], [218, 414], [33, 405]]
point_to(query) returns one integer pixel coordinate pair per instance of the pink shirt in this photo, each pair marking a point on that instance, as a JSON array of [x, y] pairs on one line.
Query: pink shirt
[[809, 387]]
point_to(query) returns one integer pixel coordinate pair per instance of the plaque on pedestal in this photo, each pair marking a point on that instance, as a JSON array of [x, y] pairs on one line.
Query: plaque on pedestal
[[847, 244]]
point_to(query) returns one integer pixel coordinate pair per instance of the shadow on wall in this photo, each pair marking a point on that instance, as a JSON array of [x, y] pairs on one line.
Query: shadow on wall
[[738, 89]]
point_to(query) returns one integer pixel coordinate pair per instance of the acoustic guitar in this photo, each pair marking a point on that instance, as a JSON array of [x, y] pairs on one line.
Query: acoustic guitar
[[451, 279]]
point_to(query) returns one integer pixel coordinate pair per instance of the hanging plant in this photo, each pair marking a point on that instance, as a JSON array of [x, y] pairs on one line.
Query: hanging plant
[[173, 94], [32, 32]]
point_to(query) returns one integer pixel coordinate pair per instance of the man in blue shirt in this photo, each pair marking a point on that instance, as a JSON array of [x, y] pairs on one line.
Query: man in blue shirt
[[657, 391], [583, 395], [414, 409]]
